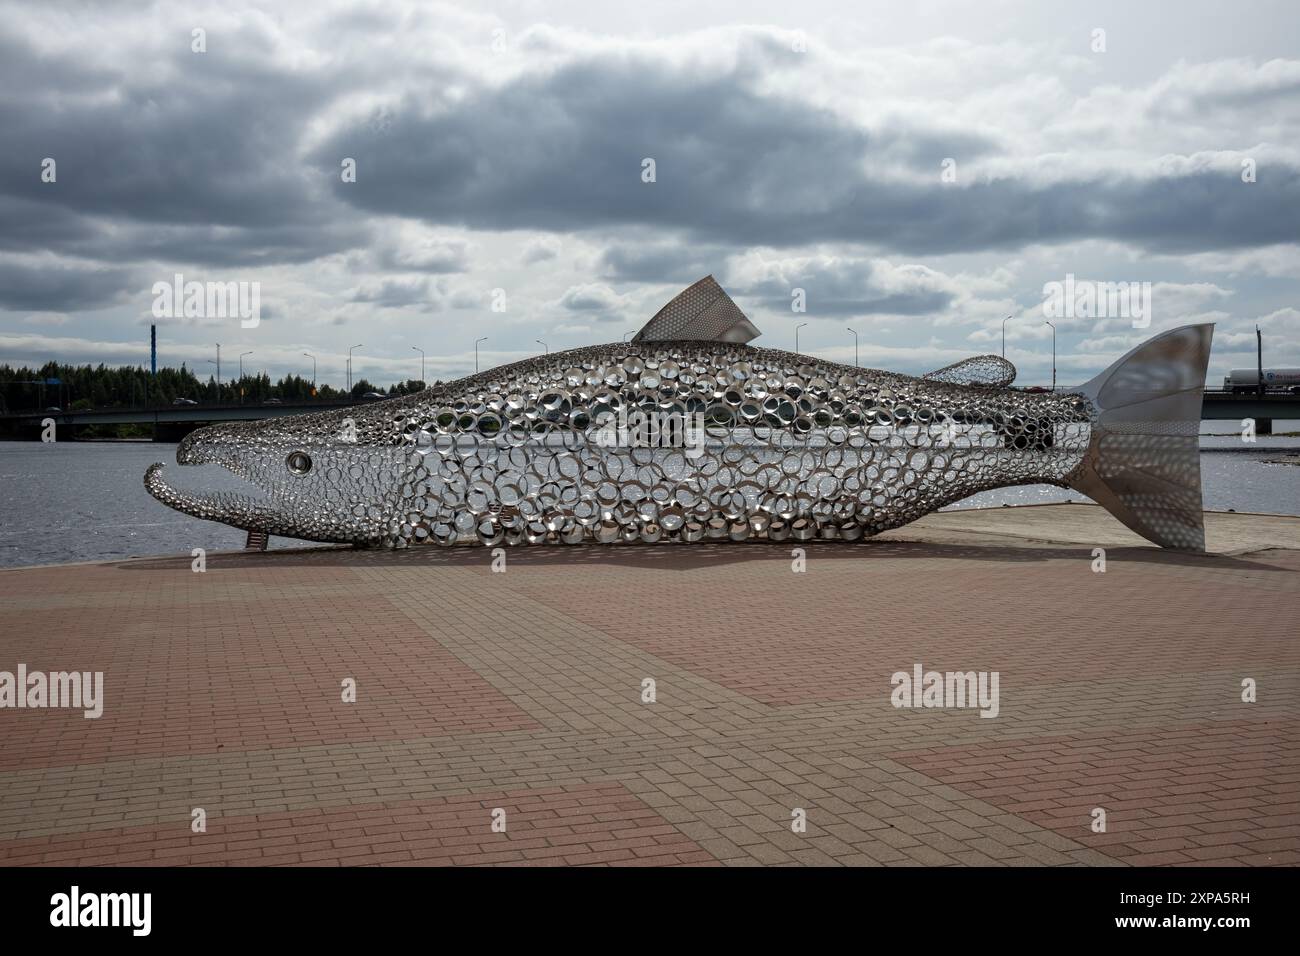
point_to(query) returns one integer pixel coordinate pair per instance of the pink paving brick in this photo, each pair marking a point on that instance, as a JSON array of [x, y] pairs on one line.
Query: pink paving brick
[[234, 670], [1165, 801], [839, 630], [773, 693]]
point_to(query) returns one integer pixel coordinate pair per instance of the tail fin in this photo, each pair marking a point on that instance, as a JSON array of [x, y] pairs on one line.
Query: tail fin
[[1144, 462]]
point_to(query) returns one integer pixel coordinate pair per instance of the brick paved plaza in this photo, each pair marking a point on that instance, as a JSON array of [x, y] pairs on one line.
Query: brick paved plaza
[[523, 691]]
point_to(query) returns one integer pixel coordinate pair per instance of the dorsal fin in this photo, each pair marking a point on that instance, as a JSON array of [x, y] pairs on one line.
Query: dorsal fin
[[990, 370], [700, 311]]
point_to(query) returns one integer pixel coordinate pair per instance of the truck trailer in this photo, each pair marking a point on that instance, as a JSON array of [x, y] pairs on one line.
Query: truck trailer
[[1275, 380]]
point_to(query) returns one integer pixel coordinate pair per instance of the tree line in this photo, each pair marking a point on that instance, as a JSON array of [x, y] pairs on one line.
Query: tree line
[[84, 387]]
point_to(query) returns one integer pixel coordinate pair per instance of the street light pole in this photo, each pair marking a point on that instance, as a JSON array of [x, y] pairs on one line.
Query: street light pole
[[855, 349], [1053, 354], [241, 374], [476, 342], [626, 334], [350, 369], [543, 345], [1004, 336], [313, 372], [1259, 362], [218, 371], [796, 335], [421, 351]]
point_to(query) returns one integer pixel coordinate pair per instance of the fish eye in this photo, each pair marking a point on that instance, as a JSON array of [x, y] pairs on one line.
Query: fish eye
[[299, 462]]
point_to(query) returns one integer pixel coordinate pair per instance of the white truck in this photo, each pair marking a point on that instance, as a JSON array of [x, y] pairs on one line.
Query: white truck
[[1275, 379]]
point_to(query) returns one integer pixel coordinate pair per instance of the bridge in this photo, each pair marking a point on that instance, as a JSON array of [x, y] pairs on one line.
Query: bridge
[[1220, 405], [173, 422]]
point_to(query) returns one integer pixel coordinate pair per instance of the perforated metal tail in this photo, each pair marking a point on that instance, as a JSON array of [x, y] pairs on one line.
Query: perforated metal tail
[[1144, 461]]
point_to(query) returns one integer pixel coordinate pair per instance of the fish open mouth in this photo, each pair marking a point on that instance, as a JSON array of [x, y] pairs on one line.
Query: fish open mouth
[[240, 510]]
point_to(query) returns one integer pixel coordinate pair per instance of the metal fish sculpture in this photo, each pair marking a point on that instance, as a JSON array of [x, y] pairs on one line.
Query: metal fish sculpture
[[688, 433]]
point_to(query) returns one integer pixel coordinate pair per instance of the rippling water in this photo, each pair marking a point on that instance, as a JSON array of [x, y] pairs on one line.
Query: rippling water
[[85, 501]]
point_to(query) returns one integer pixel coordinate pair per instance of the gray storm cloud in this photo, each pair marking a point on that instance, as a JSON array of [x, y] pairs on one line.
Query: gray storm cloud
[[826, 163]]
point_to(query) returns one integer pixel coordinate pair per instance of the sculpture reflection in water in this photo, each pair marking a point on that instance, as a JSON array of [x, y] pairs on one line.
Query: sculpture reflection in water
[[688, 433]]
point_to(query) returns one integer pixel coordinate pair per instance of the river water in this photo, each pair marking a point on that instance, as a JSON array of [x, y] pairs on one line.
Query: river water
[[85, 501]]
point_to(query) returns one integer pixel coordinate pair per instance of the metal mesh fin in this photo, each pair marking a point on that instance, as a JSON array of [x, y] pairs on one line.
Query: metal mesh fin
[[701, 311], [990, 370]]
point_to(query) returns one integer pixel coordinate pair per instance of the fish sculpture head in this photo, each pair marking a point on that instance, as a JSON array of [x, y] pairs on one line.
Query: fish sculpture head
[[330, 476]]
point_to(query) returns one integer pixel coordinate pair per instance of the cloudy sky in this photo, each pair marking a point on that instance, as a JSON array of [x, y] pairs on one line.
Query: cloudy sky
[[919, 169]]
